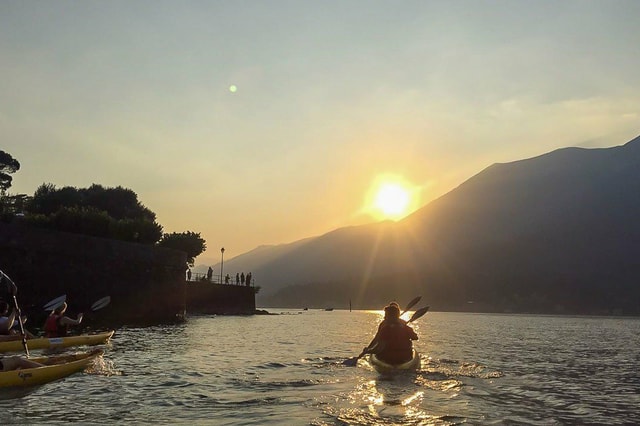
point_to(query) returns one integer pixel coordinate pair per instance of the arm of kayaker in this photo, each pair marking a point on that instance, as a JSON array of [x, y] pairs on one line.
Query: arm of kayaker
[[376, 345], [412, 334], [373, 344], [68, 321], [11, 286]]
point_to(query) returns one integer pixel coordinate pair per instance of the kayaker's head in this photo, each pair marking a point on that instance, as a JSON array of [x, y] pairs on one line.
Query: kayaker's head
[[60, 309], [392, 311]]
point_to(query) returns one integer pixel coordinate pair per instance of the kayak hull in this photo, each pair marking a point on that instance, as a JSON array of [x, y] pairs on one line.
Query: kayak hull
[[56, 342], [385, 368], [24, 380]]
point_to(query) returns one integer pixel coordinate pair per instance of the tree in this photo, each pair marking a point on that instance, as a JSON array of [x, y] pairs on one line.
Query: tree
[[8, 165], [189, 242], [97, 210], [119, 203]]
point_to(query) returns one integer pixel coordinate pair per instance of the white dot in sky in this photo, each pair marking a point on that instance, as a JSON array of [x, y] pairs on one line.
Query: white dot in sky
[[233, 88]]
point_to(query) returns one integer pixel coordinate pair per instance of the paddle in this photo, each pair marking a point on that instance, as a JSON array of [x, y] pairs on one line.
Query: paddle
[[417, 314], [411, 305], [53, 304], [351, 362], [13, 290], [58, 301], [101, 303]]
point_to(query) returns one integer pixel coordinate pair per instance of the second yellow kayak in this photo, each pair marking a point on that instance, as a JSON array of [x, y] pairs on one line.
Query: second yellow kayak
[[56, 342]]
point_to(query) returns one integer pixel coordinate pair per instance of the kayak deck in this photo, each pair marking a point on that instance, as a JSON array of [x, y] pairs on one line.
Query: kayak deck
[[386, 368], [15, 344]]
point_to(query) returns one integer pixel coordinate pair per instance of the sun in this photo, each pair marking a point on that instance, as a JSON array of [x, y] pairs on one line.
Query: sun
[[390, 198]]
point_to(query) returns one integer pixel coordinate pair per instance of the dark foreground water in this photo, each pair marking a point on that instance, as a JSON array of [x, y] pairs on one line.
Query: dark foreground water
[[287, 370]]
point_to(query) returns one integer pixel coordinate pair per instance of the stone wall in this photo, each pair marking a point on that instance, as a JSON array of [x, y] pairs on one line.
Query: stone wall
[[146, 284], [207, 298]]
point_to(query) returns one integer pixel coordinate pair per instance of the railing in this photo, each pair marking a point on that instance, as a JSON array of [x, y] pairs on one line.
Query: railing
[[202, 277]]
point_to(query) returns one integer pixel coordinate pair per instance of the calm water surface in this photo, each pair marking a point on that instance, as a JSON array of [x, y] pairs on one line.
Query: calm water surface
[[287, 370]]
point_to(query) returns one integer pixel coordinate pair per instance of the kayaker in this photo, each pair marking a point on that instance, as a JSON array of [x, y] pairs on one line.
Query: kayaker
[[8, 324], [6, 319], [57, 324], [8, 288], [393, 341], [15, 362]]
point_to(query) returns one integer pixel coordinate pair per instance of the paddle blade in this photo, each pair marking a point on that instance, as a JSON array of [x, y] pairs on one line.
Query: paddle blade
[[351, 362], [99, 304], [412, 303], [417, 314], [53, 304]]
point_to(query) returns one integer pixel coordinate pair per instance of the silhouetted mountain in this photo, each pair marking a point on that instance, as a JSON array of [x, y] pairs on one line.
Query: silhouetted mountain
[[558, 233]]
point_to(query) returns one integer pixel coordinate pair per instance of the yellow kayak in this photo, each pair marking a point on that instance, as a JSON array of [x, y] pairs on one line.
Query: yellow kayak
[[385, 368], [15, 345], [54, 368]]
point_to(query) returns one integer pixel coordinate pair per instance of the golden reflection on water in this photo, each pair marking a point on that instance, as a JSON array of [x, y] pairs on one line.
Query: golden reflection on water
[[391, 401], [423, 397], [416, 396]]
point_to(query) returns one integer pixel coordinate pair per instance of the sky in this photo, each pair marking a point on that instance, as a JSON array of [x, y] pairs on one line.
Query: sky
[[266, 122]]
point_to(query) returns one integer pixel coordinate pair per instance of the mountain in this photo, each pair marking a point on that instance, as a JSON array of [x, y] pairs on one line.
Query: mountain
[[557, 233]]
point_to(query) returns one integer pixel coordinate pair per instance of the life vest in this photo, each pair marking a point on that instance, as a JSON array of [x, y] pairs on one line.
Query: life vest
[[396, 338], [52, 327]]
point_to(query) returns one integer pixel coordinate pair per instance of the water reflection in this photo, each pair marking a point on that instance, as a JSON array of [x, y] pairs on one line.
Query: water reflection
[[288, 369]]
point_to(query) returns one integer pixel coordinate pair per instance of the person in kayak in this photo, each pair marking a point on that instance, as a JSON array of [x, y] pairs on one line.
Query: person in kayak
[[15, 362], [9, 322], [6, 319], [57, 323], [393, 341]]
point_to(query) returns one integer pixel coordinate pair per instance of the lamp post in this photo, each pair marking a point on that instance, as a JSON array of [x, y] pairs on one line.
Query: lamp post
[[221, 263]]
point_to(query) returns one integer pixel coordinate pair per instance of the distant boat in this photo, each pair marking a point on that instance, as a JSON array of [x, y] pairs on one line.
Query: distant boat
[[328, 309], [305, 309]]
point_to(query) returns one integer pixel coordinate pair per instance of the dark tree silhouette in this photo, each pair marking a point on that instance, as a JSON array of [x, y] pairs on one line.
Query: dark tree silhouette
[[189, 242], [119, 203], [97, 210], [8, 165]]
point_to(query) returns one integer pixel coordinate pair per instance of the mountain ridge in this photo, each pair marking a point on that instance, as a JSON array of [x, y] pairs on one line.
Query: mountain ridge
[[517, 236]]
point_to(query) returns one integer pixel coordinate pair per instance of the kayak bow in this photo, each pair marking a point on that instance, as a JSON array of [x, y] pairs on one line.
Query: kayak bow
[[15, 345]]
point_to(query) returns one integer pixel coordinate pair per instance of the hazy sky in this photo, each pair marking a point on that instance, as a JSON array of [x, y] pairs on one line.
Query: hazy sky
[[329, 96]]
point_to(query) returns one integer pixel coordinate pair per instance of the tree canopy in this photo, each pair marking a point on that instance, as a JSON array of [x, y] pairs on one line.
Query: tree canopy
[[102, 212], [97, 210], [8, 165], [188, 242], [119, 203]]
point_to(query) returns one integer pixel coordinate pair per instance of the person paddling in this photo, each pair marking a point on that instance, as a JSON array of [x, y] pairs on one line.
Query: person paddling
[[393, 341], [8, 323], [57, 323], [6, 319], [16, 362]]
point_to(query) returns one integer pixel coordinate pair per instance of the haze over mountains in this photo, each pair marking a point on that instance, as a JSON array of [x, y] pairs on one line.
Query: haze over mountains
[[558, 233]]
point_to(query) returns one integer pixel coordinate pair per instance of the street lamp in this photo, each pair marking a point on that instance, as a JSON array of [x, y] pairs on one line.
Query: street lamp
[[221, 263]]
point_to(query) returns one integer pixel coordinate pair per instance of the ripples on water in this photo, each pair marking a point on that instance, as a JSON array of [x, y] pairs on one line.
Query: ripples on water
[[287, 369]]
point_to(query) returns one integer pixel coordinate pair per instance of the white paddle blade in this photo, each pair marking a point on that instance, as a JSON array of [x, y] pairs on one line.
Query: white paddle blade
[[99, 304], [53, 304]]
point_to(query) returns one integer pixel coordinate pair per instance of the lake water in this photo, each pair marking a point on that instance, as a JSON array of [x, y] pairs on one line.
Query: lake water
[[287, 370]]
